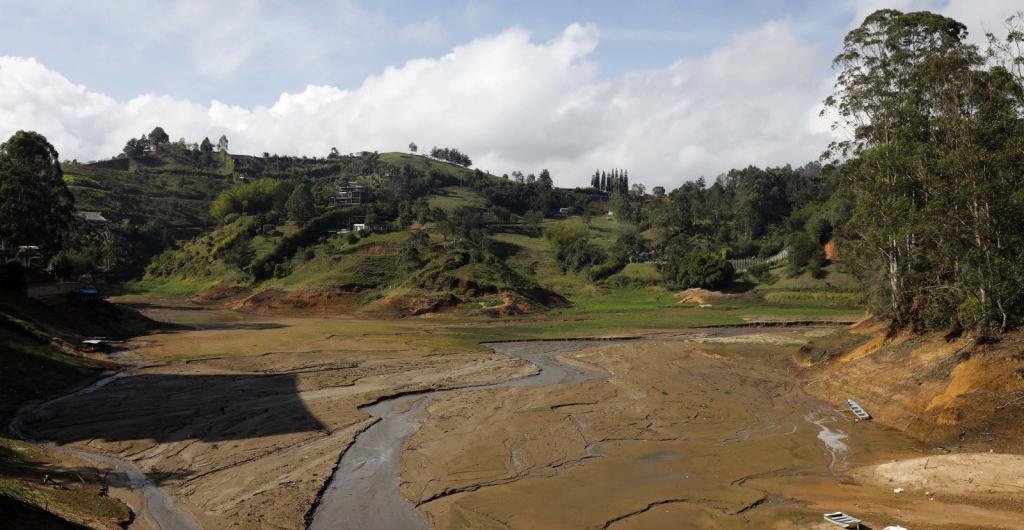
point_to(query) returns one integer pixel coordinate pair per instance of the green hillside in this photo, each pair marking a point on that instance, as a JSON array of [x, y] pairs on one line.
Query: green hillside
[[437, 230]]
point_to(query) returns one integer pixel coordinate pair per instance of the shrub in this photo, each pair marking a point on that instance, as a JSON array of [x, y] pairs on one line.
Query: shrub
[[561, 234], [760, 272], [289, 245], [608, 268], [256, 197], [579, 254]]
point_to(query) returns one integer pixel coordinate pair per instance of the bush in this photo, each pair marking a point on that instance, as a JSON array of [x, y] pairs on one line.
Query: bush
[[579, 254], [572, 249], [607, 269], [561, 234], [760, 272], [704, 270], [257, 197], [289, 245]]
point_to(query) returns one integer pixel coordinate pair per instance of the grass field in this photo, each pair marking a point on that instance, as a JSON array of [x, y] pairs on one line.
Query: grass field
[[452, 197]]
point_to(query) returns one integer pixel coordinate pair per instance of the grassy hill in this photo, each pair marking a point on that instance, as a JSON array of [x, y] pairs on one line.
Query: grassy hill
[[162, 196], [166, 196], [263, 253], [374, 269]]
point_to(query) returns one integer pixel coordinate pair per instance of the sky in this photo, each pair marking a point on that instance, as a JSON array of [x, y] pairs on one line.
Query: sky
[[670, 91]]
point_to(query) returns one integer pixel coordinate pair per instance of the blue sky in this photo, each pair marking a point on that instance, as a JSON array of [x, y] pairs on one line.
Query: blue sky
[[124, 49], [669, 90]]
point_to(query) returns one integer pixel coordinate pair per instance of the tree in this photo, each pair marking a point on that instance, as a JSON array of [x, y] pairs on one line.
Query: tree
[[674, 219], [630, 244], [545, 180], [801, 248], [300, 206], [334, 153], [621, 207], [158, 138], [135, 147], [533, 219], [36, 207], [658, 191], [222, 144], [413, 147], [638, 190], [206, 152], [704, 270]]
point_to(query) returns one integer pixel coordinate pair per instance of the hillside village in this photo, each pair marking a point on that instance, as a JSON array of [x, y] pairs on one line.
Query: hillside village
[[354, 223]]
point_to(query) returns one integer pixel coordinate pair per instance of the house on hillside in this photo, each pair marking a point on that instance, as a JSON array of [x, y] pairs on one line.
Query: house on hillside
[[350, 194], [93, 217], [377, 227]]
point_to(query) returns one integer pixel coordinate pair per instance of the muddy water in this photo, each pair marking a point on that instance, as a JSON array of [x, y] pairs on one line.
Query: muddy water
[[160, 506], [833, 439], [363, 493]]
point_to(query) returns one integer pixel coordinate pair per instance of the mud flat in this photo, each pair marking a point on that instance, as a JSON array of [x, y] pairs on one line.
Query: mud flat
[[710, 429], [363, 492]]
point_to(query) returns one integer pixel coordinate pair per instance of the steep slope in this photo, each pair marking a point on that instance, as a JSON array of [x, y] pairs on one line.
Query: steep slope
[[957, 392]]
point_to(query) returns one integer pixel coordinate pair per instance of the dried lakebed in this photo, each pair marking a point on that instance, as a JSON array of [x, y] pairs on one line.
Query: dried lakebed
[[707, 426], [363, 493]]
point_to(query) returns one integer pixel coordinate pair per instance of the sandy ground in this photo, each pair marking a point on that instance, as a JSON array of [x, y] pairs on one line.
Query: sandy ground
[[244, 419]]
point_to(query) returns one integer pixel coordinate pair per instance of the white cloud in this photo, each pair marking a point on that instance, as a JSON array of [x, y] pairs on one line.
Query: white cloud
[[509, 102]]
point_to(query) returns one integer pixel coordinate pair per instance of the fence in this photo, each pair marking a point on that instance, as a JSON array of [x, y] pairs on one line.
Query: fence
[[743, 264]]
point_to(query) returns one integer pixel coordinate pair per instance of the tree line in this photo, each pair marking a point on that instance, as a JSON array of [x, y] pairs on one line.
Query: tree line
[[157, 140], [615, 180], [935, 164], [448, 154]]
